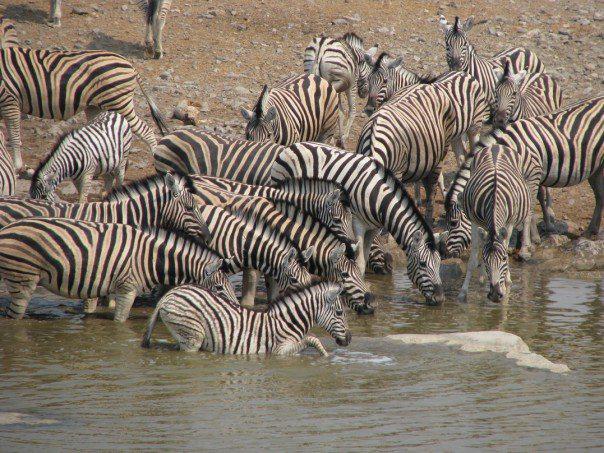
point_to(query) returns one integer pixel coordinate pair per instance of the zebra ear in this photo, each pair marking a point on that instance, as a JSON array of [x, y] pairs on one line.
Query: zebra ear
[[227, 264], [306, 254], [499, 74], [248, 115], [443, 23], [395, 63], [417, 239], [333, 197], [502, 234], [331, 295], [370, 58], [518, 78], [337, 253], [171, 182], [270, 114], [212, 267], [355, 248], [291, 255], [372, 51], [263, 101], [468, 24]]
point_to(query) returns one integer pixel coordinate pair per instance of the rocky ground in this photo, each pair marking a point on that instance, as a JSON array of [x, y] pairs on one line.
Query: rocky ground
[[220, 53]]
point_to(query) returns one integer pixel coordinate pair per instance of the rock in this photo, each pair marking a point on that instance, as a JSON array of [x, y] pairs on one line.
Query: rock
[[79, 11], [339, 21], [241, 90], [205, 107], [584, 247], [386, 30], [555, 240], [124, 8], [535, 32], [207, 16], [598, 16], [166, 74], [187, 113], [583, 21]]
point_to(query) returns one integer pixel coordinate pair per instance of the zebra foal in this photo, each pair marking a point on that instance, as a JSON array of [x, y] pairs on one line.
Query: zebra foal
[[100, 148], [87, 260], [199, 320]]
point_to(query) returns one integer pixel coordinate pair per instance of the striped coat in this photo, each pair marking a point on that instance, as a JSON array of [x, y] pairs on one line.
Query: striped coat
[[56, 84], [7, 171], [85, 260], [199, 320], [299, 109], [8, 34]]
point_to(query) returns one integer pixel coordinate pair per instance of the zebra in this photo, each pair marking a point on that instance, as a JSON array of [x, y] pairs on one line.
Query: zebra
[[100, 148], [249, 242], [342, 62], [156, 12], [298, 109], [409, 135], [379, 261], [8, 34], [199, 320], [7, 171], [497, 198], [57, 84], [461, 56], [560, 149], [330, 256], [167, 201], [78, 259], [377, 199]]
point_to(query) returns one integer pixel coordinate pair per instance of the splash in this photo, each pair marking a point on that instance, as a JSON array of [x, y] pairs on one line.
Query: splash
[[491, 340], [342, 356], [16, 418]]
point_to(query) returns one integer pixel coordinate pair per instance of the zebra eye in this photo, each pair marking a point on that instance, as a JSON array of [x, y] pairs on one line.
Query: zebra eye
[[345, 274], [423, 264], [339, 312]]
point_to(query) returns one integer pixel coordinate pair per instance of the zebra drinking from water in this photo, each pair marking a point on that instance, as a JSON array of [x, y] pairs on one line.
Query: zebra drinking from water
[[199, 320], [100, 148]]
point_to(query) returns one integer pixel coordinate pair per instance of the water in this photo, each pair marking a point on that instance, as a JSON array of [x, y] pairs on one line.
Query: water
[[74, 382]]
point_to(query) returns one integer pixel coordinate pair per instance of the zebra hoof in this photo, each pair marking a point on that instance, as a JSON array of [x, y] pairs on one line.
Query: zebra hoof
[[158, 55], [462, 297]]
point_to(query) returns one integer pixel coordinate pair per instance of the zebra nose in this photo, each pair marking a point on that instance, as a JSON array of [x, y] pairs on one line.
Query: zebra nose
[[495, 293], [368, 110], [344, 341]]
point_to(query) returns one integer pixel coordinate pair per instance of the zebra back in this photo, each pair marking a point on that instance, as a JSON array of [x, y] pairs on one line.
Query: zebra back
[[7, 170], [8, 33]]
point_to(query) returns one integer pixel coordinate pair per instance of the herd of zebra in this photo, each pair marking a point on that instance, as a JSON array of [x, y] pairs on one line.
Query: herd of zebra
[[284, 202]]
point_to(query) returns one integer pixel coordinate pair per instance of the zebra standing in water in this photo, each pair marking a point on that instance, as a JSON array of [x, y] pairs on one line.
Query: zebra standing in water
[[496, 198], [8, 34], [461, 56], [197, 319], [58, 85], [7, 171], [100, 148], [378, 199], [342, 62], [409, 135], [299, 109], [79, 259], [560, 149]]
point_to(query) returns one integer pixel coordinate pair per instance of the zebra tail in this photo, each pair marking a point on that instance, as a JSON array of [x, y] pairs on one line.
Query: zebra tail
[[146, 343], [158, 118]]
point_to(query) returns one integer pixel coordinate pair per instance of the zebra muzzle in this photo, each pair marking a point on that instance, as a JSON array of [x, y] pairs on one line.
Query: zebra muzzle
[[344, 341]]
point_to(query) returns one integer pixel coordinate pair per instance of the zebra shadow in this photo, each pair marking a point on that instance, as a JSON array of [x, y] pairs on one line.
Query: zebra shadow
[[102, 41], [25, 13]]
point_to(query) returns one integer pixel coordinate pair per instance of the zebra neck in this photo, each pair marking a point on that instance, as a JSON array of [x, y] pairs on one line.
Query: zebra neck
[[176, 261], [292, 317], [459, 182]]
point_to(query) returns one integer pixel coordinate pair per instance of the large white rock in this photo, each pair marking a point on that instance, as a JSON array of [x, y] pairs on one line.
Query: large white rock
[[490, 340]]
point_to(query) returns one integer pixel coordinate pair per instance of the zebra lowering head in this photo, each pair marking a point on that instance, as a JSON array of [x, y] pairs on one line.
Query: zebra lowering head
[[458, 235], [423, 268], [345, 270], [337, 215], [331, 315], [292, 274], [43, 186], [262, 120], [507, 96], [495, 257], [457, 45], [377, 78]]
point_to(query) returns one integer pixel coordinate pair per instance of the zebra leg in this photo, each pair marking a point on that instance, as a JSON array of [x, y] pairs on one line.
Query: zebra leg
[[249, 283], [313, 341], [89, 305], [12, 118], [159, 20], [340, 142], [149, 40], [441, 184], [472, 264], [138, 126], [123, 304], [525, 250], [189, 339], [55, 13], [367, 241], [417, 194], [460, 150], [351, 111], [359, 229], [20, 294], [543, 197], [83, 185], [596, 181], [108, 180], [534, 236]]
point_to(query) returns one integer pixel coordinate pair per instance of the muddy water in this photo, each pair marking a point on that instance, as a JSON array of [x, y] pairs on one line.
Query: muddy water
[[74, 382]]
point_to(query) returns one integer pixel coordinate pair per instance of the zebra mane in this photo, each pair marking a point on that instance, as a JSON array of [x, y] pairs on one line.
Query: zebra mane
[[494, 156], [140, 186], [353, 40], [52, 152], [258, 106], [389, 175], [378, 63]]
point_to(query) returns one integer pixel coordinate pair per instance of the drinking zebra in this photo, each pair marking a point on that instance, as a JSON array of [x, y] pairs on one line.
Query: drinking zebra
[[379, 261], [560, 149], [341, 61], [199, 320], [77, 259], [56, 84], [8, 34], [100, 148], [497, 198], [298, 109], [7, 171], [409, 135], [461, 56], [377, 199]]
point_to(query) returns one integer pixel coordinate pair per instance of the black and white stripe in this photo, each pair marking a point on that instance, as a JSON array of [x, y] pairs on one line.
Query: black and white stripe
[[342, 62], [100, 148], [7, 171], [85, 260], [58, 85], [301, 108], [199, 320], [410, 134], [377, 199]]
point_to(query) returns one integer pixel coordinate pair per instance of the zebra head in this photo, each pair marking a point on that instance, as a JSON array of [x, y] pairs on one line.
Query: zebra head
[[364, 69], [458, 234], [506, 105], [262, 120], [44, 184], [376, 80], [331, 315], [292, 274], [423, 268], [345, 270], [457, 45], [495, 256], [184, 212], [219, 283], [336, 215]]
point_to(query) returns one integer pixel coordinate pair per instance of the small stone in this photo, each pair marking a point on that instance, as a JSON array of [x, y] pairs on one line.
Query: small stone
[[241, 90], [207, 16], [598, 16], [533, 33], [385, 30], [165, 75], [339, 21], [124, 8], [79, 11], [583, 21]]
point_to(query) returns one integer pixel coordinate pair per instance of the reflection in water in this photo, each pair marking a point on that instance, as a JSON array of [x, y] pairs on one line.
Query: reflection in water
[[101, 390]]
